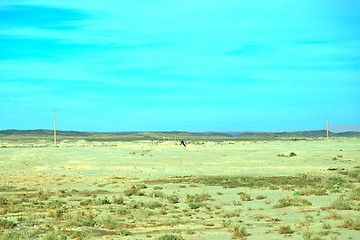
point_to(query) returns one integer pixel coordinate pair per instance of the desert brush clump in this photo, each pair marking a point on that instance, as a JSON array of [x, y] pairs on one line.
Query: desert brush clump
[[170, 237], [173, 199], [17, 233], [260, 197], [244, 196], [135, 190], [6, 224], [285, 229], [118, 200], [351, 223], [291, 201], [292, 154], [195, 205], [43, 194], [4, 201], [110, 222], [156, 194], [124, 232], [343, 203], [198, 198], [239, 232]]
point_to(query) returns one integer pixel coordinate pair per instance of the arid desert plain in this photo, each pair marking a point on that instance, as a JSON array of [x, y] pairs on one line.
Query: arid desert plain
[[278, 189]]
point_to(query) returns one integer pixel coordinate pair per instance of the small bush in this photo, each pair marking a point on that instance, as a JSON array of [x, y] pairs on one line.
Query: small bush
[[287, 202], [110, 222], [59, 213], [156, 194], [118, 200], [353, 224], [260, 197], [104, 201], [17, 233], [86, 202], [326, 226], [91, 223], [43, 194], [153, 205], [4, 201], [194, 205], [79, 234], [292, 154], [244, 196], [285, 230], [135, 190], [197, 198], [341, 204], [170, 237], [173, 199], [6, 224], [50, 236], [238, 231], [124, 232], [321, 192]]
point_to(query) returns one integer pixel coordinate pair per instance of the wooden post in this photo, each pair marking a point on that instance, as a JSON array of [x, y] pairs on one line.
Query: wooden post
[[327, 129], [54, 130]]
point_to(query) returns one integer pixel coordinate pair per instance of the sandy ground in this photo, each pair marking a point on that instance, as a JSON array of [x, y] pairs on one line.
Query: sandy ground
[[110, 168]]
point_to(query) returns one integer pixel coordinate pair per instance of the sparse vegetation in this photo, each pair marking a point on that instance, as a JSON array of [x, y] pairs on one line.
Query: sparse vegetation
[[176, 207], [287, 202], [6, 224], [170, 237], [285, 230], [244, 196], [351, 223]]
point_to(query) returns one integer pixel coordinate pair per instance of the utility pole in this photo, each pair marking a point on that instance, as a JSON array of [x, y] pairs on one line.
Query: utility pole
[[327, 129], [54, 129]]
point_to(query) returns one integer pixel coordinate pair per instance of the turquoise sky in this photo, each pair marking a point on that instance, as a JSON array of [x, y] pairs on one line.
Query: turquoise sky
[[126, 65]]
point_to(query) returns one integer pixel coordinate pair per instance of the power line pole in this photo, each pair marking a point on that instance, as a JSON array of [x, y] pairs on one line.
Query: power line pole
[[54, 129], [327, 129]]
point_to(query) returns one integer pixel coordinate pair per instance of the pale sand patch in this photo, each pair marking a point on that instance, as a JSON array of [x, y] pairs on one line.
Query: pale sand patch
[[32, 179]]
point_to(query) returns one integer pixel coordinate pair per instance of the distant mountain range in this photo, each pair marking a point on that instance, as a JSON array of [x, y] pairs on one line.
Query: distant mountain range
[[343, 128], [339, 131]]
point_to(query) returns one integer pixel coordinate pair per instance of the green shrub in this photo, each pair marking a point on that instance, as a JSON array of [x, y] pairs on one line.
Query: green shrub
[[238, 231], [321, 192], [50, 236], [6, 224], [353, 224], [170, 237], [173, 199], [292, 154], [285, 230], [4, 201], [43, 194], [153, 205], [134, 190], [194, 205], [204, 196], [105, 201], [287, 202], [260, 197], [59, 213], [17, 233], [118, 200], [244, 196], [341, 204], [110, 222], [86, 202], [91, 223], [124, 232]]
